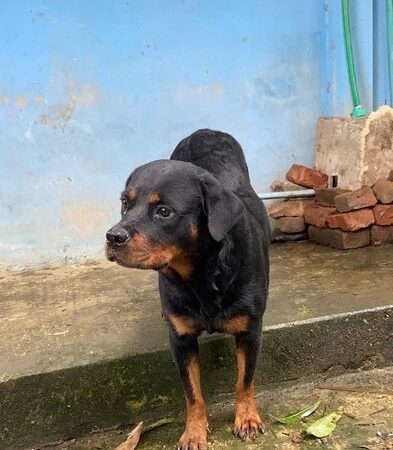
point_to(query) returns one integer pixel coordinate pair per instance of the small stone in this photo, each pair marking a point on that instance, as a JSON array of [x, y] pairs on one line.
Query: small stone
[[282, 186], [383, 214], [290, 225], [289, 208], [350, 201], [383, 190], [351, 221], [339, 239], [381, 235], [317, 215], [326, 196], [304, 176]]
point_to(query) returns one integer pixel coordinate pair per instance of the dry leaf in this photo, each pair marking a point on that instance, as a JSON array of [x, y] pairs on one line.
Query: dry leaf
[[133, 438]]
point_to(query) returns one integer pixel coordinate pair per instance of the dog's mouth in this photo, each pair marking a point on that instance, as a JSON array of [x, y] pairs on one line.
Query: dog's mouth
[[122, 258]]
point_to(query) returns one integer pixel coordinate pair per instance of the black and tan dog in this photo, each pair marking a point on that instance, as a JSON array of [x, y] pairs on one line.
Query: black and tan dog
[[196, 219]]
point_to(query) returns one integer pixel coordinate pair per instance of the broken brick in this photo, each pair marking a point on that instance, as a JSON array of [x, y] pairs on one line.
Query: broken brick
[[326, 196], [339, 239], [350, 201], [383, 190], [317, 215], [291, 225], [383, 214], [282, 186], [381, 235], [290, 208], [351, 221], [304, 176]]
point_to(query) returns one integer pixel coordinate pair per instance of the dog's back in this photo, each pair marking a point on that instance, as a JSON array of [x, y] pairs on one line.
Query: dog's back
[[220, 154]]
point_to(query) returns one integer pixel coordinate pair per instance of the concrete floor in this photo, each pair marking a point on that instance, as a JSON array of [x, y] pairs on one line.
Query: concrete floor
[[368, 411], [58, 317]]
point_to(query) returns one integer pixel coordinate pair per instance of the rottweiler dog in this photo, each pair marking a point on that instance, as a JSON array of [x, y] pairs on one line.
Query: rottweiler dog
[[196, 220]]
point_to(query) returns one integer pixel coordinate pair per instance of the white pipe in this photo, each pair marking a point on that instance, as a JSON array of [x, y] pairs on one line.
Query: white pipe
[[287, 194]]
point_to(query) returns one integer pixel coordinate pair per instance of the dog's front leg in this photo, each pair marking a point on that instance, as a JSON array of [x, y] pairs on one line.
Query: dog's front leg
[[185, 352], [247, 420]]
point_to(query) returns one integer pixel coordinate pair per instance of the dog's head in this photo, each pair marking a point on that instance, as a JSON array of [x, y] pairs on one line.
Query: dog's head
[[165, 207]]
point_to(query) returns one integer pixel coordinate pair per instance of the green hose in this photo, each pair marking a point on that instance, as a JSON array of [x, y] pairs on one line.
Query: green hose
[[358, 110], [389, 14]]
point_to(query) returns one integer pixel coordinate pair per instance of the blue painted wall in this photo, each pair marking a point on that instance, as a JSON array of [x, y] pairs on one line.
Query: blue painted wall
[[89, 90]]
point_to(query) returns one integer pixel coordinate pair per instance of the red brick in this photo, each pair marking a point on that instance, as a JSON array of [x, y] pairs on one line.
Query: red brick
[[317, 215], [304, 176], [381, 235], [361, 198], [383, 190], [339, 239], [290, 208], [351, 221], [383, 214], [326, 196], [281, 186], [291, 225]]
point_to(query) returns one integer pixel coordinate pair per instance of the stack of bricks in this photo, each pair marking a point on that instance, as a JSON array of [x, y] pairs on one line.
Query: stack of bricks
[[352, 219], [290, 214], [339, 218]]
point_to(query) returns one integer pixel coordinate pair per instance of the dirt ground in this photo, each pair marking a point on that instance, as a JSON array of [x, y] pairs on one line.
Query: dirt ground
[[365, 398]]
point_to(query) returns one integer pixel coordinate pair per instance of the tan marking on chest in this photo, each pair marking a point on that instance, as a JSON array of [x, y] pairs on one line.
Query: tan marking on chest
[[184, 325], [235, 325]]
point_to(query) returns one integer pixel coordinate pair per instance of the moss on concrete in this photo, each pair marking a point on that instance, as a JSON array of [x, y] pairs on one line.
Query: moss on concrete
[[357, 428], [68, 403]]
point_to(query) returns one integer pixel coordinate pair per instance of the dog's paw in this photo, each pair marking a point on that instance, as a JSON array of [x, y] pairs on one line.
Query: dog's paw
[[248, 424], [193, 439]]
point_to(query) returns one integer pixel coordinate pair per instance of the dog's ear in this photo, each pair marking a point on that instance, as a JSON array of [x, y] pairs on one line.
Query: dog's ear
[[222, 207]]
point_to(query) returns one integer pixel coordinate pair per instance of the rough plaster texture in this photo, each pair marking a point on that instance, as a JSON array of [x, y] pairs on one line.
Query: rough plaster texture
[[359, 151]]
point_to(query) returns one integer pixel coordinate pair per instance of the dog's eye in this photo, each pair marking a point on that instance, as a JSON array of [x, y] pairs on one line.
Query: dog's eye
[[124, 205], [163, 211]]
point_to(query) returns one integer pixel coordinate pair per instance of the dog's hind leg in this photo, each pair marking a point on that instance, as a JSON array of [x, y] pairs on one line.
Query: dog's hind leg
[[185, 352], [247, 420]]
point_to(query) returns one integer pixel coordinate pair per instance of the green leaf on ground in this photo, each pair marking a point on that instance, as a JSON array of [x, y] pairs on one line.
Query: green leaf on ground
[[304, 309], [298, 415], [324, 426]]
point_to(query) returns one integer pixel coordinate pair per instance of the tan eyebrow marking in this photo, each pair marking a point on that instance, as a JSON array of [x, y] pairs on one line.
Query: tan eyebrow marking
[[154, 198], [132, 194]]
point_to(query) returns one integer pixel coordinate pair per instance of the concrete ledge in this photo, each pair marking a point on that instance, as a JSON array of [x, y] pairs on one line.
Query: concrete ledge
[[45, 407]]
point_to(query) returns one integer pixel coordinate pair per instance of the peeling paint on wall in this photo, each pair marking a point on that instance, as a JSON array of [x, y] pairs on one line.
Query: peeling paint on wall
[[60, 116]]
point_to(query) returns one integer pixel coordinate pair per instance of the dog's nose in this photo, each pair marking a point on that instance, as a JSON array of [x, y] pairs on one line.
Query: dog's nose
[[117, 236]]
